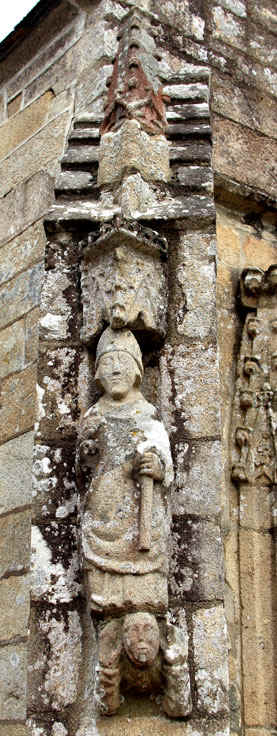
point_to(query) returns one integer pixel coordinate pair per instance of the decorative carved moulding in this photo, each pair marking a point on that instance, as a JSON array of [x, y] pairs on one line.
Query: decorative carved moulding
[[124, 282], [255, 406], [135, 91]]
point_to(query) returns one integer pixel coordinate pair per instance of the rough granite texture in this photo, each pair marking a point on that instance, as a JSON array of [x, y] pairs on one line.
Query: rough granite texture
[[62, 65]]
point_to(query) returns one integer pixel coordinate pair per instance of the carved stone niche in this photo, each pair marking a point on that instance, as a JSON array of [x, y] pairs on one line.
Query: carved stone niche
[[123, 281], [255, 404], [139, 654]]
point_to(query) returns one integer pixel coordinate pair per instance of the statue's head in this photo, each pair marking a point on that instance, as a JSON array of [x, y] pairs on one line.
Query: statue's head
[[118, 362], [141, 638]]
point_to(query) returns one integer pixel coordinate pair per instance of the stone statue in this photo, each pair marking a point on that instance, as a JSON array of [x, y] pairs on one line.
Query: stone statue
[[126, 517]]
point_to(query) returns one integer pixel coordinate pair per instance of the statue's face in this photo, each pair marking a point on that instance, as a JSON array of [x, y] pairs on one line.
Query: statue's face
[[117, 372], [141, 638]]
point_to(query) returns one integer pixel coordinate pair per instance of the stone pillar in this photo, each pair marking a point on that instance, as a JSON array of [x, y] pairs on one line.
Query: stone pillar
[[254, 472], [132, 246]]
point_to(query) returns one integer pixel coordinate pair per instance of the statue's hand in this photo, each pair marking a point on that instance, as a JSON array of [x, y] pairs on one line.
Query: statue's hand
[[173, 647], [110, 644], [150, 464]]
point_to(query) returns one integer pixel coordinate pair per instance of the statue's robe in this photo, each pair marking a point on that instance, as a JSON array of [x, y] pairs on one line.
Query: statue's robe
[[120, 576]]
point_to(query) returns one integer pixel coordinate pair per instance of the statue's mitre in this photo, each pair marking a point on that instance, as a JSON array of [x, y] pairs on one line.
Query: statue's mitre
[[123, 340]]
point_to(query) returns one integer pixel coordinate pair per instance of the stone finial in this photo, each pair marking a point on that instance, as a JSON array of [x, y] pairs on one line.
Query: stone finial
[[134, 89]]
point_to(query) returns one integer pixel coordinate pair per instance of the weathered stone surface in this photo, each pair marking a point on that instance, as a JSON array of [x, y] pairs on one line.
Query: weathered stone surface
[[48, 49], [179, 113], [194, 177], [228, 28], [210, 652], [189, 128], [15, 729], [92, 87], [99, 42], [227, 280], [257, 562], [81, 154], [14, 105], [157, 726], [198, 479], [244, 105], [16, 473], [57, 76], [237, 7], [20, 294], [262, 46], [196, 91], [14, 608], [195, 379], [55, 661], [57, 392], [131, 149], [31, 335], [196, 306], [22, 252], [54, 492], [19, 207], [191, 152], [197, 560], [15, 538], [25, 124], [33, 155], [75, 181], [55, 561], [265, 14], [12, 348], [17, 412], [236, 152], [55, 307], [13, 670]]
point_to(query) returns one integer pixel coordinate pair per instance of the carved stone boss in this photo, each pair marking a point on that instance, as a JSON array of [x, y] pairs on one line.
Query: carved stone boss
[[255, 406]]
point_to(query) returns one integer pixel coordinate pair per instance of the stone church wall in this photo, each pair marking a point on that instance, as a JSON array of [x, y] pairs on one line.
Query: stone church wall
[[58, 71]]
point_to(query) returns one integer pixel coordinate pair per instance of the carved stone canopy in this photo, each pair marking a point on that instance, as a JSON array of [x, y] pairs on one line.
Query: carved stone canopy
[[124, 283]]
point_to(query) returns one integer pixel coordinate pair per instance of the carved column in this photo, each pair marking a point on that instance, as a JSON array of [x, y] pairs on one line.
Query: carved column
[[254, 472]]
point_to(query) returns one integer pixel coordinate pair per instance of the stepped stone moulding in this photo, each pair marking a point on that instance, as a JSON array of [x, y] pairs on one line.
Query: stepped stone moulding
[[255, 407], [124, 282]]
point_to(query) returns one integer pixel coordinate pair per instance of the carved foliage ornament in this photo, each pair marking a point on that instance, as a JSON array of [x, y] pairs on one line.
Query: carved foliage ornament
[[255, 406]]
